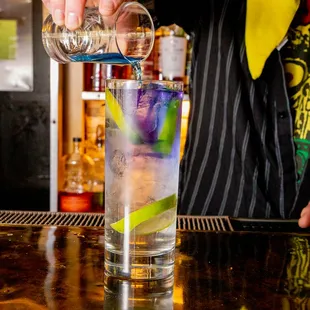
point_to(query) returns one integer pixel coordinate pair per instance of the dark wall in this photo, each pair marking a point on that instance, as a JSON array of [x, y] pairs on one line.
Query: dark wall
[[24, 135]]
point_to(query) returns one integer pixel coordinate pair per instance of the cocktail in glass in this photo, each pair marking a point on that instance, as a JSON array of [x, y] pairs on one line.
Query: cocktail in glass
[[143, 120]]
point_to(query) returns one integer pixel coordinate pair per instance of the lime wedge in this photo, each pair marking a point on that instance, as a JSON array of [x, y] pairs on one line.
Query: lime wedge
[[157, 223], [168, 131], [147, 213], [119, 118]]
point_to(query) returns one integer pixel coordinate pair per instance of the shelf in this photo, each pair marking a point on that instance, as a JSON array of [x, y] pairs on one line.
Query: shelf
[[91, 95]]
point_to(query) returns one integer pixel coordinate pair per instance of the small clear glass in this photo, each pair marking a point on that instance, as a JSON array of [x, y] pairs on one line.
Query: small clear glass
[[143, 120], [125, 38]]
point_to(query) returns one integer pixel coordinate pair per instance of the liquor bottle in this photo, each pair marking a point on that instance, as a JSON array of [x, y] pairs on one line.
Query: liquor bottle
[[98, 179], [76, 192], [157, 70], [117, 72], [173, 48], [94, 116], [95, 76], [88, 75]]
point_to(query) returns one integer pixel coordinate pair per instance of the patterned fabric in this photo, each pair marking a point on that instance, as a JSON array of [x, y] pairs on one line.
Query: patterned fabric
[[239, 156], [296, 58]]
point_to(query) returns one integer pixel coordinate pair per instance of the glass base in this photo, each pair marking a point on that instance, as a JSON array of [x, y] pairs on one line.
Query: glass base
[[138, 294], [139, 267], [140, 287]]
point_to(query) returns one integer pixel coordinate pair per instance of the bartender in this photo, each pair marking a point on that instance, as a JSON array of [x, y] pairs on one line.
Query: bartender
[[247, 126]]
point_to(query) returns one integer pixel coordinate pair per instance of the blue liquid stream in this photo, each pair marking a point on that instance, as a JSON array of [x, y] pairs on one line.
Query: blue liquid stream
[[107, 58], [112, 59]]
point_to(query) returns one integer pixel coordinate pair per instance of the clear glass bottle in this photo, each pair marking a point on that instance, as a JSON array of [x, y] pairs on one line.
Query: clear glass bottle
[[76, 192], [173, 49], [125, 38], [94, 77]]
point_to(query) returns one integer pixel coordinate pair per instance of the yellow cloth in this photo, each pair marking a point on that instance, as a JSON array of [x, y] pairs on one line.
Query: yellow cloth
[[267, 22]]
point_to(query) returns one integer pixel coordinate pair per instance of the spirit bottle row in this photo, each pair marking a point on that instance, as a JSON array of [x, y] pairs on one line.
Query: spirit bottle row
[[170, 59]]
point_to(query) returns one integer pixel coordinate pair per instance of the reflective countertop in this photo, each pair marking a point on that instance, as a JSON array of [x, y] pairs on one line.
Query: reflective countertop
[[63, 268]]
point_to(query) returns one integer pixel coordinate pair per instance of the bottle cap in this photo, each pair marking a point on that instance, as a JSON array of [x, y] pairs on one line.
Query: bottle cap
[[77, 139]]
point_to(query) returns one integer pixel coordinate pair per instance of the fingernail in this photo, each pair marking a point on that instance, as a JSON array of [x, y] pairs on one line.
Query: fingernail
[[59, 17], [72, 21]]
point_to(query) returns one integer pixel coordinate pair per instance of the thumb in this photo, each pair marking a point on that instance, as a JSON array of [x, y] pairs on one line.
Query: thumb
[[109, 7], [304, 220]]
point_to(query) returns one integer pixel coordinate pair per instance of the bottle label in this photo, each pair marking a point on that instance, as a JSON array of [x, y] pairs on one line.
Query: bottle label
[[173, 56], [75, 203], [95, 115]]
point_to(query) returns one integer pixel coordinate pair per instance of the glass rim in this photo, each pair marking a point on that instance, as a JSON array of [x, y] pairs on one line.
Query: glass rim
[[174, 85]]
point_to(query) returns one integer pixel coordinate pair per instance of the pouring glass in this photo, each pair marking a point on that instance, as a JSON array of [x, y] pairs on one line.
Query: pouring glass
[[125, 38]]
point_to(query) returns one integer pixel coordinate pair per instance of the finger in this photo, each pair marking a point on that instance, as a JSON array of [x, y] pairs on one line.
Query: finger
[[304, 221], [305, 210], [109, 7], [74, 13], [57, 9]]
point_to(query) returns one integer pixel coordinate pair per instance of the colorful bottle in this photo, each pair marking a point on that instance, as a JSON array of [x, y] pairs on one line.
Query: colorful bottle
[[173, 49], [76, 192], [95, 76]]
